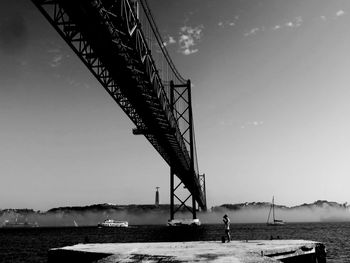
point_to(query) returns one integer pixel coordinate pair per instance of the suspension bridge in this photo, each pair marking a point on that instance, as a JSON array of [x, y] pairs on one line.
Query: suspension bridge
[[119, 42]]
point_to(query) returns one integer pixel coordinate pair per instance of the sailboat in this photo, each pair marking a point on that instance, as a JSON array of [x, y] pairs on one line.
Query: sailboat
[[274, 222]]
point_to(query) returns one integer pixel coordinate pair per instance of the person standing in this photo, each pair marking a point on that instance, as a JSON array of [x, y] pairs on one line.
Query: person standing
[[227, 227]]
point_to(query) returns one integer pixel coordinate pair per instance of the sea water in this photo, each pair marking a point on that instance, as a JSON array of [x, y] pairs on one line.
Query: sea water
[[31, 244]]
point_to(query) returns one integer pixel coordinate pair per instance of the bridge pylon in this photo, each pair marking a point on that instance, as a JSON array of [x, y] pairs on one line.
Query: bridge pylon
[[181, 106], [173, 195]]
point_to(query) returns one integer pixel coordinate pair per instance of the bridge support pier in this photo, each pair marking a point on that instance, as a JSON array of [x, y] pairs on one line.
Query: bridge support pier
[[181, 106], [173, 196]]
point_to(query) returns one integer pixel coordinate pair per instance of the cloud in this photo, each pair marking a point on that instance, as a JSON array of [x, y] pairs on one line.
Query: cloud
[[247, 124], [229, 23], [294, 23], [57, 55], [189, 38], [253, 31], [340, 13], [297, 22], [57, 59], [226, 23], [169, 41], [252, 124], [276, 27]]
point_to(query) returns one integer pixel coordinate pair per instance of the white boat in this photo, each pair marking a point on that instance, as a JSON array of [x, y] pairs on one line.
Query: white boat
[[113, 223], [16, 224], [184, 222], [274, 222]]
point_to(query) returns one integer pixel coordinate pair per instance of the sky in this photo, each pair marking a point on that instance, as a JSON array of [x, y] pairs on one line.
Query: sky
[[270, 100]]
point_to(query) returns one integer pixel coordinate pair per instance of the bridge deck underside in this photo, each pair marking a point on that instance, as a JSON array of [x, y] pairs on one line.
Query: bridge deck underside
[[124, 75]]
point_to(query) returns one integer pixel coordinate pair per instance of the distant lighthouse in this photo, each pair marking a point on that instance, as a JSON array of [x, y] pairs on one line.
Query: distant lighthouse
[[157, 196]]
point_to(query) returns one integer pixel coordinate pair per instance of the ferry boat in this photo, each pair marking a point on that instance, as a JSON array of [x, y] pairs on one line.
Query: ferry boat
[[113, 223], [184, 222]]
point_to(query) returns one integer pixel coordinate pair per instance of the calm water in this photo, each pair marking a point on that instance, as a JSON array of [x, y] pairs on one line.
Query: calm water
[[31, 245]]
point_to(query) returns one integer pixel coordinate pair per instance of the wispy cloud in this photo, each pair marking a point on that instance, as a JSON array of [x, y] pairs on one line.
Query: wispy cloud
[[226, 23], [276, 27], [253, 31], [247, 124], [189, 38], [169, 41], [251, 124], [335, 16], [56, 61], [229, 23], [57, 57], [340, 13], [296, 22]]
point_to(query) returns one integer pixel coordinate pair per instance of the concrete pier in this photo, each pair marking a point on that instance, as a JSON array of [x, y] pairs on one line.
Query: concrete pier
[[257, 251]]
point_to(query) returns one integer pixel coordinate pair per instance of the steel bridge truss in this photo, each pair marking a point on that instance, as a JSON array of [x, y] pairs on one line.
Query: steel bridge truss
[[107, 36], [180, 95]]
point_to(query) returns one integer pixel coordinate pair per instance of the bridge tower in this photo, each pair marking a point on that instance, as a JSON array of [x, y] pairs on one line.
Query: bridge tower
[[180, 94]]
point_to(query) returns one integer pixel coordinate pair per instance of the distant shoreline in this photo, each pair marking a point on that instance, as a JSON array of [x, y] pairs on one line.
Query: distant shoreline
[[254, 212], [235, 206]]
